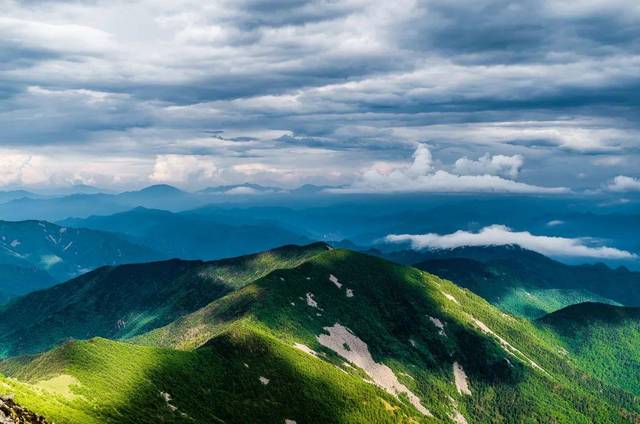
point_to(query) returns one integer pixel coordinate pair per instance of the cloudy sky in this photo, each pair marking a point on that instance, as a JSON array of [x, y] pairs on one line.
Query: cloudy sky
[[432, 95]]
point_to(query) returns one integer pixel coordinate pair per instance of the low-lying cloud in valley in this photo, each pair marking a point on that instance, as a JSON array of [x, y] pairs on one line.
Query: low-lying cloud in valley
[[497, 235]]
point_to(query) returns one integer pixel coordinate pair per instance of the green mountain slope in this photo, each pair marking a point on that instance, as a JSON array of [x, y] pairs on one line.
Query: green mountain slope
[[102, 381], [341, 337], [603, 339], [122, 301], [529, 284]]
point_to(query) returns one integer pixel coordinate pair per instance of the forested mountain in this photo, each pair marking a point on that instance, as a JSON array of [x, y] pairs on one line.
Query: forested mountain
[[322, 335], [34, 254], [527, 283], [126, 300], [603, 339]]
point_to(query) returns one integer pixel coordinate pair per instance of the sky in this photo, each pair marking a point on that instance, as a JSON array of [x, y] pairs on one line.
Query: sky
[[372, 96]]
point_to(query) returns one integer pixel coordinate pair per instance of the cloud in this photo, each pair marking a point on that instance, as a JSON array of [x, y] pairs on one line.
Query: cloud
[[181, 169], [622, 183], [554, 223], [21, 169], [62, 38], [250, 169], [242, 191], [484, 81], [421, 176], [507, 166], [496, 235]]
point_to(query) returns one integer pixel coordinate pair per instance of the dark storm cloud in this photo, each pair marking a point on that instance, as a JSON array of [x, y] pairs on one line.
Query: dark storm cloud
[[366, 78], [266, 13], [487, 31]]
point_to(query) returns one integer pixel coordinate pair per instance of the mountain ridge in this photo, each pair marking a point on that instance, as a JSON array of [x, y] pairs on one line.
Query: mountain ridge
[[49, 252], [602, 339], [125, 300], [527, 283], [190, 236], [311, 342]]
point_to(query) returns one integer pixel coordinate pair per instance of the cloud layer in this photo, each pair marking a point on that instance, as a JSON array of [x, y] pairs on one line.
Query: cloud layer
[[622, 184], [421, 176], [496, 235], [314, 91]]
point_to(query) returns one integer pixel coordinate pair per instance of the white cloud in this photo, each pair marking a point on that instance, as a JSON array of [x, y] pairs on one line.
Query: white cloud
[[242, 191], [42, 168], [86, 97], [420, 176], [255, 168], [506, 166], [622, 183], [22, 169], [421, 162], [346, 76], [554, 223], [57, 37], [496, 235], [184, 169]]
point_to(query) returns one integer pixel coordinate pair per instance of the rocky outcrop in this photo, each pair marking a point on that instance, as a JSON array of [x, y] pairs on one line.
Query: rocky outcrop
[[12, 413]]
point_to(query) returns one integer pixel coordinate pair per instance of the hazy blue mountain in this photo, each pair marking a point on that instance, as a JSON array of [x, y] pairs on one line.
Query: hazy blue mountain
[[53, 208], [77, 189], [363, 219], [7, 196], [240, 189], [308, 189], [64, 252], [161, 196], [17, 280], [83, 205], [191, 236]]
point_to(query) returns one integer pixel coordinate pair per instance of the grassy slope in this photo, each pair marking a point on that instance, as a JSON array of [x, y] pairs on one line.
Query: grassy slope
[[530, 285], [258, 324], [122, 383], [120, 302], [603, 339]]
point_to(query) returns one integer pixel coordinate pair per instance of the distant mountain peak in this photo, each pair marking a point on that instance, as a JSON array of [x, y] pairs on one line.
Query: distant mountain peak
[[160, 189], [244, 188]]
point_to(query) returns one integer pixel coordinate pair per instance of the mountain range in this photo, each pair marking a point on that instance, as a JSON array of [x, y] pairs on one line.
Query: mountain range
[[526, 283], [304, 335], [125, 310], [191, 236], [34, 254], [83, 201], [126, 300]]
